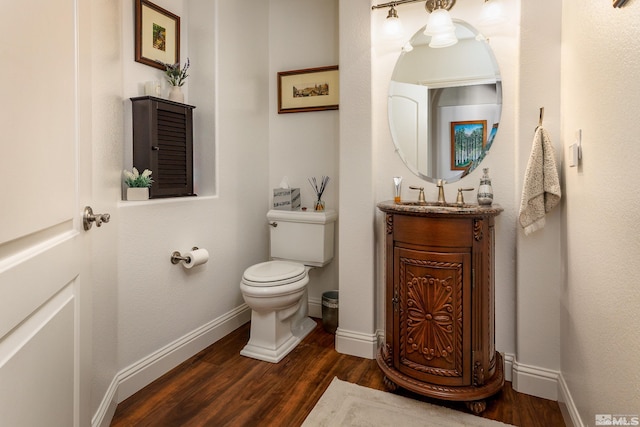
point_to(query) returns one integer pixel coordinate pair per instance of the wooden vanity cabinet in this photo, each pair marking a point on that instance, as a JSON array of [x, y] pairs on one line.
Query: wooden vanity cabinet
[[439, 338]]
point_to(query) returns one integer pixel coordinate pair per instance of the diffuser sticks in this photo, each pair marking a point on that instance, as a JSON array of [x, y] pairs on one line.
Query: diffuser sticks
[[319, 203]]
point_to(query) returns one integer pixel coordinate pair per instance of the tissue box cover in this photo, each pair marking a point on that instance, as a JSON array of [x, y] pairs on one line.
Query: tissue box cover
[[286, 199]]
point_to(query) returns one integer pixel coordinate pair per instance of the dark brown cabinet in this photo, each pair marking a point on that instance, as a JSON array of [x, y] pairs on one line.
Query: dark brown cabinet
[[163, 143], [439, 337]]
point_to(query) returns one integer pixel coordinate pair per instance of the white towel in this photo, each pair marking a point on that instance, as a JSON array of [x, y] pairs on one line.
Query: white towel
[[541, 191]]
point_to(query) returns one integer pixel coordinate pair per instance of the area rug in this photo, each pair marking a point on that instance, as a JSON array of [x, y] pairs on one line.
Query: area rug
[[347, 404]]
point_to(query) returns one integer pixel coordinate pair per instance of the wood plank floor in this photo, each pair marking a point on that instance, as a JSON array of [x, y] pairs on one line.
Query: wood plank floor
[[218, 387]]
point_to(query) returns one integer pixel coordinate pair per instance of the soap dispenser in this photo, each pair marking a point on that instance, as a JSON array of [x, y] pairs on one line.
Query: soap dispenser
[[485, 190]]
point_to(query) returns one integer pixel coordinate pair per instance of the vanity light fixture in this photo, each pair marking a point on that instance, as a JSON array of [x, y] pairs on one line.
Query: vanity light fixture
[[439, 26], [392, 25]]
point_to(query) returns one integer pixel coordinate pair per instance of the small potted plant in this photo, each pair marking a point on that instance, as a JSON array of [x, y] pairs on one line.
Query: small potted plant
[[176, 77], [138, 184]]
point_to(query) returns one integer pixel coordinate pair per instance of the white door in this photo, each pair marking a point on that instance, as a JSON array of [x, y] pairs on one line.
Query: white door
[[409, 106], [45, 171]]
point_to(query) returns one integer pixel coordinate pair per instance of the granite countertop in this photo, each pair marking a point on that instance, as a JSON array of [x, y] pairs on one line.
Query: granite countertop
[[434, 209]]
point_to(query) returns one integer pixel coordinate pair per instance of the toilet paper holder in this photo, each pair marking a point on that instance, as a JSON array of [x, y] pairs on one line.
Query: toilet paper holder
[[176, 256]]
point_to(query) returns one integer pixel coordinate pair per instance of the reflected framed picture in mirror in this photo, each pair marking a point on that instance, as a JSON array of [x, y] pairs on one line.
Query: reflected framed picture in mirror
[[468, 139], [311, 89], [157, 35]]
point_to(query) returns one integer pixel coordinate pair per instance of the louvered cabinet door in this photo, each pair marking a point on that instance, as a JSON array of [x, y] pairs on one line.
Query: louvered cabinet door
[[163, 143]]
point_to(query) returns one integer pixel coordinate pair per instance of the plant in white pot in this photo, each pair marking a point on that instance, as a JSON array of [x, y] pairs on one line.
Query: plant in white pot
[[176, 77], [138, 184]]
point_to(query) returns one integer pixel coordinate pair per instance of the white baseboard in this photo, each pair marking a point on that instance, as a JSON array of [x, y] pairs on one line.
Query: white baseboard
[[544, 383], [356, 343], [349, 342], [107, 408], [509, 358], [535, 381], [567, 405], [138, 375]]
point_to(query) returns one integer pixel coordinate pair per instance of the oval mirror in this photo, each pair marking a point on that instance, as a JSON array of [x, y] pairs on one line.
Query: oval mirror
[[445, 104]]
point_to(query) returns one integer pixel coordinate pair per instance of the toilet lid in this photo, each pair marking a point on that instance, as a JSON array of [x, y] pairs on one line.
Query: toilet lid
[[273, 273]]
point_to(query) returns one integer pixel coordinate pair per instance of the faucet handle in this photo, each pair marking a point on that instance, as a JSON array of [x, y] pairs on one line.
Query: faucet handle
[[460, 198], [421, 198], [440, 186]]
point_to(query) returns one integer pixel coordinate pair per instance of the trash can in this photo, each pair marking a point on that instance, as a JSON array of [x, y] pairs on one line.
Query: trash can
[[330, 311]]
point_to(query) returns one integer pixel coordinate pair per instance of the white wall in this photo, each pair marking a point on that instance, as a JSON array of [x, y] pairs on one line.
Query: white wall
[[600, 295], [304, 34], [158, 302], [150, 314], [356, 332], [538, 256], [106, 189]]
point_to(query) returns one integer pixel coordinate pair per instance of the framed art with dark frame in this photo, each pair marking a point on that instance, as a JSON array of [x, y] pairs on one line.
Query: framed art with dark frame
[[157, 35], [311, 89], [468, 140]]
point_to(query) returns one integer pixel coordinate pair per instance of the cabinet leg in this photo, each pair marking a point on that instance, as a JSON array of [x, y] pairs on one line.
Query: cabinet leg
[[390, 385], [477, 407]]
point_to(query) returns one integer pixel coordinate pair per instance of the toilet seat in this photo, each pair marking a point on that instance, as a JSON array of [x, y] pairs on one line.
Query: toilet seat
[[273, 273]]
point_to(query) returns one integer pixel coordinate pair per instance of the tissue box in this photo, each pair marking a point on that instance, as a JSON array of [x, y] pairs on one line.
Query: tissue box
[[286, 199]]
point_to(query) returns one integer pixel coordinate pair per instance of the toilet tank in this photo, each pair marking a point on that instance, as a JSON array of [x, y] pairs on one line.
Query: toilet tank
[[302, 236]]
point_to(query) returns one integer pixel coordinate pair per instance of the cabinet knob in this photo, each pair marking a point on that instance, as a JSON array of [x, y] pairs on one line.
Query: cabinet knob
[[155, 148]]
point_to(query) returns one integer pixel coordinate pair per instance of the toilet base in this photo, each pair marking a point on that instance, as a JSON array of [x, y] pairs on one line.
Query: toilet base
[[272, 340]]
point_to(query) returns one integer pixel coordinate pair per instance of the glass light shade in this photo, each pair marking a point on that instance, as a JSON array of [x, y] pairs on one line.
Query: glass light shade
[[492, 13], [392, 26], [443, 40], [439, 22]]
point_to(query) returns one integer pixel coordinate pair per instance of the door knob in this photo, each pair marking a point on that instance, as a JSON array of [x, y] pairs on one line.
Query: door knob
[[88, 218]]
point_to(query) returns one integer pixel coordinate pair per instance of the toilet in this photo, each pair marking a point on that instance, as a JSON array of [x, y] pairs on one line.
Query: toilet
[[276, 290]]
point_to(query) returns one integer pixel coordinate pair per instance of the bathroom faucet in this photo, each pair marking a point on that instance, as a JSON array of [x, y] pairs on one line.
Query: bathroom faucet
[[440, 186]]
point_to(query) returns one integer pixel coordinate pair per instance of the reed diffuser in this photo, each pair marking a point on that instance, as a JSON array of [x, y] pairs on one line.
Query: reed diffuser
[[319, 203]]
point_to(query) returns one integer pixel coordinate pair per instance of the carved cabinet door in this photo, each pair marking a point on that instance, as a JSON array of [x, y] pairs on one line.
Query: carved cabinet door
[[432, 315]]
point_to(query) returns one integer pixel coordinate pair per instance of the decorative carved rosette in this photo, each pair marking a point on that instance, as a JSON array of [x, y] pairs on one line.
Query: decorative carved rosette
[[433, 318]]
